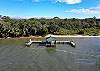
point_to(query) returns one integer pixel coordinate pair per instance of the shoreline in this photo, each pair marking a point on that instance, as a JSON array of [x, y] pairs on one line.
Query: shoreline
[[71, 36], [57, 36]]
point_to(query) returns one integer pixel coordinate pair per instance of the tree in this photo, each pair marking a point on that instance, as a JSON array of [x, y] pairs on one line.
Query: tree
[[10, 27], [56, 18]]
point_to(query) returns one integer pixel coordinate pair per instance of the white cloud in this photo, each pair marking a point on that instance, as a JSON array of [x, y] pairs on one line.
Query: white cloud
[[93, 10], [69, 1], [61, 1], [27, 17]]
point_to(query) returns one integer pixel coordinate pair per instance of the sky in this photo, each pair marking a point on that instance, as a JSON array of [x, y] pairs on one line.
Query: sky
[[50, 8]]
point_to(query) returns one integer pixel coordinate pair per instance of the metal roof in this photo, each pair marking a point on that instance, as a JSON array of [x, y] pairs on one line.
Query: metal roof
[[50, 39]]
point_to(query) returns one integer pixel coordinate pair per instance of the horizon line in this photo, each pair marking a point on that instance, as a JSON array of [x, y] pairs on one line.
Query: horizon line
[[46, 17]]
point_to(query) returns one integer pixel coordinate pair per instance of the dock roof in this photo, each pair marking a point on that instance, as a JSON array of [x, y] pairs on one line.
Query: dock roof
[[50, 39]]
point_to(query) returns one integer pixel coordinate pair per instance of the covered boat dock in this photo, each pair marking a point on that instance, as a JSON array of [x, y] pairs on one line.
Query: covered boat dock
[[51, 41]]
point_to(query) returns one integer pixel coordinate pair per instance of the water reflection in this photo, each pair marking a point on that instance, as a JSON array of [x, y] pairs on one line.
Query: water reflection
[[51, 49]]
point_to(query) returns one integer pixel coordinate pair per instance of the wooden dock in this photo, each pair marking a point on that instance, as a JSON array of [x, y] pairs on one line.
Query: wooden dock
[[62, 42], [51, 43]]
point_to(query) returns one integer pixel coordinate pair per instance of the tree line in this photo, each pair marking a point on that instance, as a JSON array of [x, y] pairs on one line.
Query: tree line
[[11, 27]]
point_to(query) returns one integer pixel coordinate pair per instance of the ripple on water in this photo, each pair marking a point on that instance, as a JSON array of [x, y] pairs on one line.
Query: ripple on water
[[98, 56], [85, 61]]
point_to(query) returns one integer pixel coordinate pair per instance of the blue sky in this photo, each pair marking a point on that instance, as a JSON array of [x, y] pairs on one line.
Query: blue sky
[[50, 8]]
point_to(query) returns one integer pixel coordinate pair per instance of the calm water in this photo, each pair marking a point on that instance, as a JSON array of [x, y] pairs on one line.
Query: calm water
[[14, 56]]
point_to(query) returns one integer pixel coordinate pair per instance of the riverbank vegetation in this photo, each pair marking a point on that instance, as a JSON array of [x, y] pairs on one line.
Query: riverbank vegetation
[[11, 27]]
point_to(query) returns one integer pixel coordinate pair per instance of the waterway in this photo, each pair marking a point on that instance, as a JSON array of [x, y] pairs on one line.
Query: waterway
[[15, 56]]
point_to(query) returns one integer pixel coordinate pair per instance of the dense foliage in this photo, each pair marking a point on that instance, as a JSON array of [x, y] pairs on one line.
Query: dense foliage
[[10, 27]]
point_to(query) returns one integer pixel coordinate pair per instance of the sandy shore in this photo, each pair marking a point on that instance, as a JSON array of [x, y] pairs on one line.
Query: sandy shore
[[59, 36], [69, 36]]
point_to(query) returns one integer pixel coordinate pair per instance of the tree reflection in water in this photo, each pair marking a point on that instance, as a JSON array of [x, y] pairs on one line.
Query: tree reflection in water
[[51, 49]]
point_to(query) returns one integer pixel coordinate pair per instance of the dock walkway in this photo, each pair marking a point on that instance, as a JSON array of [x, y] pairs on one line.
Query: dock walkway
[[57, 42]]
